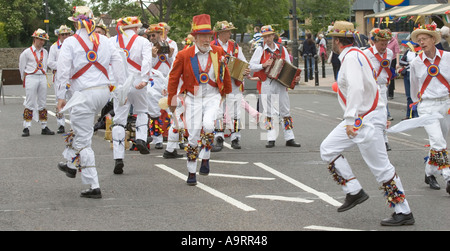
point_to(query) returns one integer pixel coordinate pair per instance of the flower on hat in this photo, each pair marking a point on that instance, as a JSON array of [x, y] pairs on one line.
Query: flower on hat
[[379, 34], [40, 33], [430, 27]]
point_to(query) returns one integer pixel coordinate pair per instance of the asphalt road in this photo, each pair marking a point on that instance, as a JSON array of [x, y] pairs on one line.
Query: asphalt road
[[252, 189]]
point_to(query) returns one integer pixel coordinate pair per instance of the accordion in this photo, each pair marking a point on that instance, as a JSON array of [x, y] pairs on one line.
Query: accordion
[[236, 67], [284, 72]]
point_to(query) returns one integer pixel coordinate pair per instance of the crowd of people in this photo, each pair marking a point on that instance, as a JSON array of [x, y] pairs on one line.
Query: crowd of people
[[142, 73]]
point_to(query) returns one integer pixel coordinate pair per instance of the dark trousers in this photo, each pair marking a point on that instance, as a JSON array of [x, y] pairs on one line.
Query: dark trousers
[[391, 86]]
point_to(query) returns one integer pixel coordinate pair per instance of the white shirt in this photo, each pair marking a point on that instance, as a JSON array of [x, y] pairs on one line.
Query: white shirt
[[72, 58], [53, 55], [255, 61], [206, 89], [419, 73], [383, 78], [27, 62], [357, 84], [140, 52]]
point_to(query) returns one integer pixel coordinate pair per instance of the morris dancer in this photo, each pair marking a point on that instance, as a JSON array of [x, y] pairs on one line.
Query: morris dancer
[[232, 102], [380, 56], [205, 81], [63, 32], [32, 67], [83, 62], [430, 76], [274, 95], [364, 121], [138, 55]]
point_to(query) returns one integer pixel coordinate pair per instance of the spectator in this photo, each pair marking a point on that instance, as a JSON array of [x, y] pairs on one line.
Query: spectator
[[393, 45], [309, 48]]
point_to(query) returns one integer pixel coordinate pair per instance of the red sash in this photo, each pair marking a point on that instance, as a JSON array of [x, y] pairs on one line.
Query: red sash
[[358, 121], [433, 71], [162, 58], [266, 56], [91, 56], [128, 48], [39, 64], [204, 77], [384, 64]]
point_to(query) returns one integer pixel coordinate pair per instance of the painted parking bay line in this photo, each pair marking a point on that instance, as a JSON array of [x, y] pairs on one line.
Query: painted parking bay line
[[300, 185], [208, 189]]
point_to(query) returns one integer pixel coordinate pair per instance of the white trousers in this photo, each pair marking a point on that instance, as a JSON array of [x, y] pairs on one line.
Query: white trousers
[[275, 102], [173, 138], [373, 152], [155, 94], [201, 112], [137, 98], [437, 131], [229, 111], [36, 96], [82, 118]]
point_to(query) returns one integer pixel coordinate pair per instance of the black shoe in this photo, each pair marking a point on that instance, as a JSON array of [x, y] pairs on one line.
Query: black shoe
[[292, 142], [118, 167], [388, 147], [353, 200], [204, 167], [192, 179], [142, 146], [217, 147], [71, 173], [235, 144], [270, 144], [26, 132], [172, 155], [159, 146], [431, 180], [399, 220], [91, 193], [47, 131], [61, 129]]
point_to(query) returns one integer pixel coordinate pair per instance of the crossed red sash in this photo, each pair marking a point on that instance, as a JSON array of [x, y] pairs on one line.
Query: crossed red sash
[[358, 121], [91, 56], [204, 77], [384, 64], [127, 50], [39, 64], [433, 71]]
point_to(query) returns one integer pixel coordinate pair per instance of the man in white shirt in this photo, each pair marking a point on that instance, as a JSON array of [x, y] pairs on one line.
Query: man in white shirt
[[274, 95], [363, 124], [32, 67], [380, 56], [63, 32], [82, 69], [232, 103], [138, 53], [430, 76]]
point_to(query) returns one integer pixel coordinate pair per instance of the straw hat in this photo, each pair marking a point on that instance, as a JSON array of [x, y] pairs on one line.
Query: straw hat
[[129, 22], [40, 33], [63, 29], [380, 35], [154, 28], [267, 30], [342, 29], [201, 24], [429, 29], [223, 26], [81, 12]]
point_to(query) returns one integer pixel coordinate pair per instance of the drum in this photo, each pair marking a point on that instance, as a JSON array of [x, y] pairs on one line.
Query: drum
[[236, 67], [284, 72]]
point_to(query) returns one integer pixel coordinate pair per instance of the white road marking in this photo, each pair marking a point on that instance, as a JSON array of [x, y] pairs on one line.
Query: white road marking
[[322, 228], [281, 198], [300, 185], [208, 189], [239, 176], [216, 161]]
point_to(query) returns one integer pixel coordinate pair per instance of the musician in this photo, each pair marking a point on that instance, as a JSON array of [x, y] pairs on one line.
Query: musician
[[32, 67], [63, 32], [232, 104], [274, 95], [430, 76], [381, 58], [363, 124], [206, 81], [138, 52], [82, 68]]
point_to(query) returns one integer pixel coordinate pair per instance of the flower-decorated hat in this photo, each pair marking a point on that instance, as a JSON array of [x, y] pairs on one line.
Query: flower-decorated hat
[[378, 34], [223, 26], [81, 12], [342, 29], [201, 24], [429, 29], [165, 26], [129, 22], [63, 29], [40, 33], [154, 28], [267, 30]]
